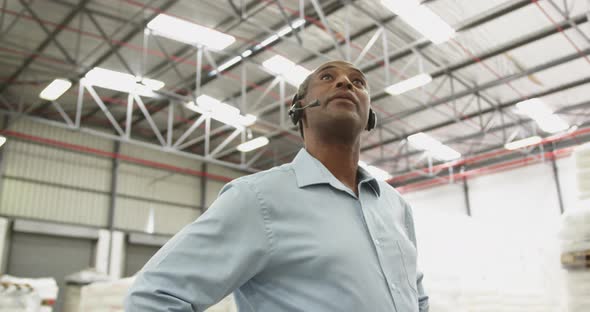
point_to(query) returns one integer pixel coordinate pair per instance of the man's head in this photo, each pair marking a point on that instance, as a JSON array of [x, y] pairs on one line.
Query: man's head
[[343, 95]]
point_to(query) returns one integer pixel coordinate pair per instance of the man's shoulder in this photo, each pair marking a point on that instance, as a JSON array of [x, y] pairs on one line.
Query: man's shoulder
[[275, 176], [387, 189], [390, 192]]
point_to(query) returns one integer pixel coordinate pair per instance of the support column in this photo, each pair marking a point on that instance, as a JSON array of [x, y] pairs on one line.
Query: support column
[[557, 185], [5, 224], [466, 195], [113, 266], [203, 202], [4, 244]]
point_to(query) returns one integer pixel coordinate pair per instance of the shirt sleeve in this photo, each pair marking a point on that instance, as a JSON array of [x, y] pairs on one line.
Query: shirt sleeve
[[208, 259], [423, 301]]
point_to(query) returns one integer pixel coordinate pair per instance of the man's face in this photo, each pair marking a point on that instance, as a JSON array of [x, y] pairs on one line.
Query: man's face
[[343, 94]]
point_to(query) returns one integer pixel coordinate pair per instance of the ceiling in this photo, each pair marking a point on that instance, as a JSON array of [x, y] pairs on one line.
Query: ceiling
[[503, 52]]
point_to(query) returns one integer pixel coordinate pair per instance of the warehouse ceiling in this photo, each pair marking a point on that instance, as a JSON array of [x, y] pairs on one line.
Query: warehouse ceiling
[[503, 52]]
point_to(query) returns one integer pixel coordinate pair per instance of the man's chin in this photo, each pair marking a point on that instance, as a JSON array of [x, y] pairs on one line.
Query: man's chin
[[342, 125]]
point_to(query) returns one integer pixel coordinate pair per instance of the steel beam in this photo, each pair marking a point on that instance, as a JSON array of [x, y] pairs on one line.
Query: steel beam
[[162, 66], [105, 37], [128, 37], [478, 89], [479, 20], [407, 155], [103, 107], [139, 143], [66, 20], [48, 33], [564, 143]]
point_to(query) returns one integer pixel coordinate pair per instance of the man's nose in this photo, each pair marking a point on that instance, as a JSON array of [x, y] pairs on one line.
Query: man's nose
[[343, 82]]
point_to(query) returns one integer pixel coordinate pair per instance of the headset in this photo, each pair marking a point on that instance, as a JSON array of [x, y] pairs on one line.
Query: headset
[[296, 112]]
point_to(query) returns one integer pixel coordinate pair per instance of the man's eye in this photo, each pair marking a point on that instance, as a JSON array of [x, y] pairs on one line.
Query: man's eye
[[359, 82], [325, 77]]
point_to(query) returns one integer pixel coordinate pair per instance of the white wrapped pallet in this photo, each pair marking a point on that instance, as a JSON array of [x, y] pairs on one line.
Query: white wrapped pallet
[[18, 298], [105, 296], [27, 294], [109, 297], [74, 284], [575, 236]]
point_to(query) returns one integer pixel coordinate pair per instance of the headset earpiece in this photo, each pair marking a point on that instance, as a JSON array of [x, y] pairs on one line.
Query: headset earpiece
[[372, 122], [294, 113]]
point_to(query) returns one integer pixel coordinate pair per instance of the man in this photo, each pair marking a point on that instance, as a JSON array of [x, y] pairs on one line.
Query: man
[[316, 235]]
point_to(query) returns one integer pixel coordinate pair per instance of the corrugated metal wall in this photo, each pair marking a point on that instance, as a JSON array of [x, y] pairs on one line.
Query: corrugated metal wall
[[174, 198], [52, 183], [49, 183], [214, 186]]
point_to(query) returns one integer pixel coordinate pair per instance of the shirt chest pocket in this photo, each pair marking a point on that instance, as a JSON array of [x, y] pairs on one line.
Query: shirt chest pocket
[[400, 263]]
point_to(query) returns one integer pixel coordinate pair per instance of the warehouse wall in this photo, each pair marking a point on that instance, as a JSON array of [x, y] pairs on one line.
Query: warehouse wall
[[505, 257], [56, 184]]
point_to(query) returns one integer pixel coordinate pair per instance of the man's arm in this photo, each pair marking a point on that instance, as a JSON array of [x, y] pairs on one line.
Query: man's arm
[[422, 297], [207, 259]]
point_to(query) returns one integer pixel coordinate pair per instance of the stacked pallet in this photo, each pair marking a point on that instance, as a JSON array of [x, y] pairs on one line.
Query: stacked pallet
[[575, 235]]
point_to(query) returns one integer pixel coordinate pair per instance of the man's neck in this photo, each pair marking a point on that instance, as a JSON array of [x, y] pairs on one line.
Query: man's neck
[[340, 159]]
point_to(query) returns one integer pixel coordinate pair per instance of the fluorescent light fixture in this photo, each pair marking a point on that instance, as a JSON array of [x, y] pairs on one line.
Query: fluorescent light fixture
[[298, 23], [221, 112], [533, 108], [55, 89], [422, 19], [282, 32], [2, 140], [190, 33], [248, 120], [423, 141], [287, 30], [267, 41], [212, 104], [246, 53], [293, 73], [150, 83], [296, 75], [229, 63], [552, 123], [278, 65], [545, 118], [253, 144], [409, 84], [444, 152], [433, 147], [377, 173], [523, 143], [114, 80]]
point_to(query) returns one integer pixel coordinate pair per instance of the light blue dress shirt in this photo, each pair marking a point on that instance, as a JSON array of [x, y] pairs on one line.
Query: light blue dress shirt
[[292, 238]]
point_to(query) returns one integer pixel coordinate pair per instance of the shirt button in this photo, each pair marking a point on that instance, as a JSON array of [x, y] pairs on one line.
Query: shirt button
[[377, 242], [393, 287]]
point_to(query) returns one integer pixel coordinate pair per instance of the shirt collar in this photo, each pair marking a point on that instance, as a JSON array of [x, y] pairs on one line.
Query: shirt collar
[[310, 171]]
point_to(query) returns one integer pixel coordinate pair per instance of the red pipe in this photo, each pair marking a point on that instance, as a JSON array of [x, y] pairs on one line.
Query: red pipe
[[484, 156], [101, 153], [561, 153], [536, 2], [419, 185], [116, 42]]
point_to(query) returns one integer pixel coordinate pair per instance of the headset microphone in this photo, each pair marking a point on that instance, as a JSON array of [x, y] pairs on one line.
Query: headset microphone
[[296, 113], [312, 104]]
